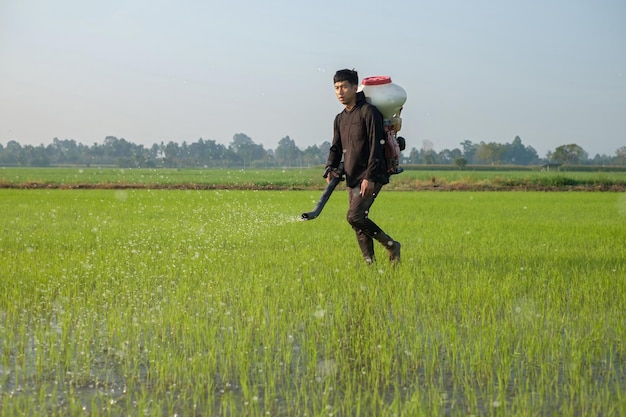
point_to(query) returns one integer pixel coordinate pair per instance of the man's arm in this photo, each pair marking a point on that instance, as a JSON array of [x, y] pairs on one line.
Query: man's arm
[[336, 149], [376, 137]]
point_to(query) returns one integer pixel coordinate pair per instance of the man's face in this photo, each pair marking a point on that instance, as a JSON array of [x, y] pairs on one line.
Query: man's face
[[346, 93]]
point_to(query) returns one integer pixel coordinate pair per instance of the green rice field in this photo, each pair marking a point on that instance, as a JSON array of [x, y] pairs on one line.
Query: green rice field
[[299, 178], [143, 302]]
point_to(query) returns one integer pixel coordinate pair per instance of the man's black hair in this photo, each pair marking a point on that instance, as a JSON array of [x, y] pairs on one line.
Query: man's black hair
[[347, 75]]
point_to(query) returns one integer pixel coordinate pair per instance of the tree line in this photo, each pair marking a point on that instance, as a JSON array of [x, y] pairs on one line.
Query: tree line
[[243, 152]]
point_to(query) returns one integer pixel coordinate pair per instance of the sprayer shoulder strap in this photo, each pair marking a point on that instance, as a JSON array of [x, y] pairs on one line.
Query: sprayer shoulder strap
[[363, 110]]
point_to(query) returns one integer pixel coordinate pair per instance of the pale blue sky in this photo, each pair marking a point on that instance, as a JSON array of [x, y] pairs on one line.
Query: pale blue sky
[[552, 72]]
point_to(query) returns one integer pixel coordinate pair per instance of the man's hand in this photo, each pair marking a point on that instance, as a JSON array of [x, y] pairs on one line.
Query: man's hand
[[331, 174], [367, 188]]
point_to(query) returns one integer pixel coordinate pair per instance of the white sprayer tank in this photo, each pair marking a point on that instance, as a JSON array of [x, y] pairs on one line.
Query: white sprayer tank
[[385, 95]]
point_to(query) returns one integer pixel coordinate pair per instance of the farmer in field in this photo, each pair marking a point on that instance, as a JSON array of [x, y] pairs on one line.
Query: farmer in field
[[359, 138]]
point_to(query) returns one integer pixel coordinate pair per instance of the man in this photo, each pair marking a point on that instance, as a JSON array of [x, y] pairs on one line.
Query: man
[[359, 138]]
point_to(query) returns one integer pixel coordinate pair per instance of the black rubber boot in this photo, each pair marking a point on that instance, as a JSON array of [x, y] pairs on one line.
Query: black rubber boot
[[366, 244], [392, 246]]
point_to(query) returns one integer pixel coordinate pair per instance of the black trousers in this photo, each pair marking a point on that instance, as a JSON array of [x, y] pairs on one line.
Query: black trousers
[[366, 230]]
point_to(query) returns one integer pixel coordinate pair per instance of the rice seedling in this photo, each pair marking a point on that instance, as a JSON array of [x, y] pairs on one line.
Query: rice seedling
[[172, 302]]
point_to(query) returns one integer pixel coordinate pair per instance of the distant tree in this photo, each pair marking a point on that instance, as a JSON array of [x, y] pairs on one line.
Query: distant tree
[[490, 152], [620, 156], [430, 157], [65, 152], [243, 151], [571, 154], [155, 151], [444, 157], [530, 156], [414, 156], [517, 153], [240, 142], [116, 148], [313, 155], [460, 162], [549, 155], [324, 150], [171, 153], [245, 148], [37, 156], [270, 158], [448, 156], [469, 150], [603, 160], [287, 153], [13, 154]]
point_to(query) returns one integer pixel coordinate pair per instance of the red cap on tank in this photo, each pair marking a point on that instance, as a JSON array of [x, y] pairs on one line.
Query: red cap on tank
[[376, 80]]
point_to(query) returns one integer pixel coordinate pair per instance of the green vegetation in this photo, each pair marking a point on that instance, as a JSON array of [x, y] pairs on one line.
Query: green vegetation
[[158, 178], [305, 178], [221, 302]]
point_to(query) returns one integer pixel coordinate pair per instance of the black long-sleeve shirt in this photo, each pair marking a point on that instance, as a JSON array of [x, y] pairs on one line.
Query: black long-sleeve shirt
[[359, 138]]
